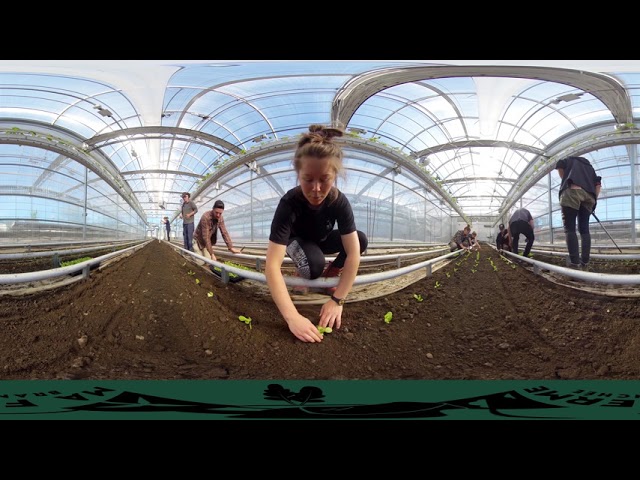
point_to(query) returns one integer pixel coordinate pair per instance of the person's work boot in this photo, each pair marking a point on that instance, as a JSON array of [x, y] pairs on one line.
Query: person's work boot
[[331, 271], [586, 267], [574, 266]]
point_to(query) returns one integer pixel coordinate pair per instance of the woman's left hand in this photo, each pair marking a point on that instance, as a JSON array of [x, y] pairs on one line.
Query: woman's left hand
[[330, 315]]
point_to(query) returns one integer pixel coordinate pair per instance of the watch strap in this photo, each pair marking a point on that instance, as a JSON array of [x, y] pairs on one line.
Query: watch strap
[[339, 301]]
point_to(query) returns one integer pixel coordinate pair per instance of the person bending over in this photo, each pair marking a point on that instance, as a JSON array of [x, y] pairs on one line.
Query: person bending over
[[206, 233], [521, 223], [460, 240]]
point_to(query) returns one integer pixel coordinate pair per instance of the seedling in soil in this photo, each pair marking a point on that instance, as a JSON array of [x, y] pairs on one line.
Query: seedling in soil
[[438, 284], [447, 274], [73, 262], [418, 297], [197, 282], [324, 330], [246, 320], [210, 294], [191, 273], [387, 317]]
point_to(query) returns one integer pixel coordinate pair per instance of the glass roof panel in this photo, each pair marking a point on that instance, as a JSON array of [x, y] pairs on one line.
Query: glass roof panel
[[251, 103]]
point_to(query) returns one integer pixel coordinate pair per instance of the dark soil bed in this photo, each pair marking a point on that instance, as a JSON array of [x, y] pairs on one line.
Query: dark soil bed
[[145, 317]]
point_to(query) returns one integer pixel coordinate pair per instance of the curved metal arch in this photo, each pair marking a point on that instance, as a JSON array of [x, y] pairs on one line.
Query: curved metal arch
[[478, 143], [64, 142], [401, 159], [158, 130], [355, 92]]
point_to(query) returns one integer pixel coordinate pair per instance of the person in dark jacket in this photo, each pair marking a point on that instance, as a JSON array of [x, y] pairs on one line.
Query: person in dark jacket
[[500, 237], [578, 193], [167, 225], [521, 223]]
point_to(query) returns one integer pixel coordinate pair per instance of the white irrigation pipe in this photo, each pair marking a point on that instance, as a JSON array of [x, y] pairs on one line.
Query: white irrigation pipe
[[613, 278], [321, 282], [29, 246], [601, 256], [11, 278], [363, 259], [51, 253]]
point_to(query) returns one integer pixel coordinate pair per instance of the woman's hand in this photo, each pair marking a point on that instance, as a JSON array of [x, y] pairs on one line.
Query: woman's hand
[[330, 315], [303, 329]]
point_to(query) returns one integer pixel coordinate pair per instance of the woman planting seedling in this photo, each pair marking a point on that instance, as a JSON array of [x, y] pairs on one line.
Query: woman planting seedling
[[303, 228]]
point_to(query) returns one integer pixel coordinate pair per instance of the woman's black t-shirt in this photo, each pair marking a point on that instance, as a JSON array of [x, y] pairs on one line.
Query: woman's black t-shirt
[[295, 217]]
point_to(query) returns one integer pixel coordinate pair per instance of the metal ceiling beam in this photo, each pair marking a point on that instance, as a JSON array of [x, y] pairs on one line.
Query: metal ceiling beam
[[355, 92], [478, 143], [158, 132], [160, 171], [64, 142]]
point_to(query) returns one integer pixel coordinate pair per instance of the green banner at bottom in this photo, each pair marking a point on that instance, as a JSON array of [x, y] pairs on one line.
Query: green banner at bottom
[[320, 400]]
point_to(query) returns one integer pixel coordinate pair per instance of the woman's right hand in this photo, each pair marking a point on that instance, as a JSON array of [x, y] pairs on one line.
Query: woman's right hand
[[303, 329]]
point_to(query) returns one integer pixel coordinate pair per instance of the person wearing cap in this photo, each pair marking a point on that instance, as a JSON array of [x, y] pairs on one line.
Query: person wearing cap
[[206, 233], [187, 213], [578, 193]]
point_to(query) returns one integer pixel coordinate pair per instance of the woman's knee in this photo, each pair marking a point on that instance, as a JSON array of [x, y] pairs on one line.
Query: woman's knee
[[364, 241]]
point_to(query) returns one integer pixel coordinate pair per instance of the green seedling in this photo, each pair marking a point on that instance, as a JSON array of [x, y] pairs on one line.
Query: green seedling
[[473, 271], [387, 317], [495, 269], [324, 330], [513, 266], [210, 294], [438, 284], [191, 273], [197, 282], [418, 297], [246, 320], [447, 274], [73, 262]]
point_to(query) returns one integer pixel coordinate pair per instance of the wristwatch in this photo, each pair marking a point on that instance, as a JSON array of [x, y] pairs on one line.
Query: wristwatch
[[339, 301]]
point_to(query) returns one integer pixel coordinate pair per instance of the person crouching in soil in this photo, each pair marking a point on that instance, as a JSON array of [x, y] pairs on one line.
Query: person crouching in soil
[[303, 228]]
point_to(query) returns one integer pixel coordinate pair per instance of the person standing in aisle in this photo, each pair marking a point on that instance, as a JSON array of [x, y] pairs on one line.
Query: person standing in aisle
[[187, 213], [167, 226], [578, 193], [303, 228], [521, 223], [206, 233]]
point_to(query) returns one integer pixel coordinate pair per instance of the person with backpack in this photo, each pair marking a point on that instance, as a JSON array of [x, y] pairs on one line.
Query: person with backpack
[[578, 193]]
